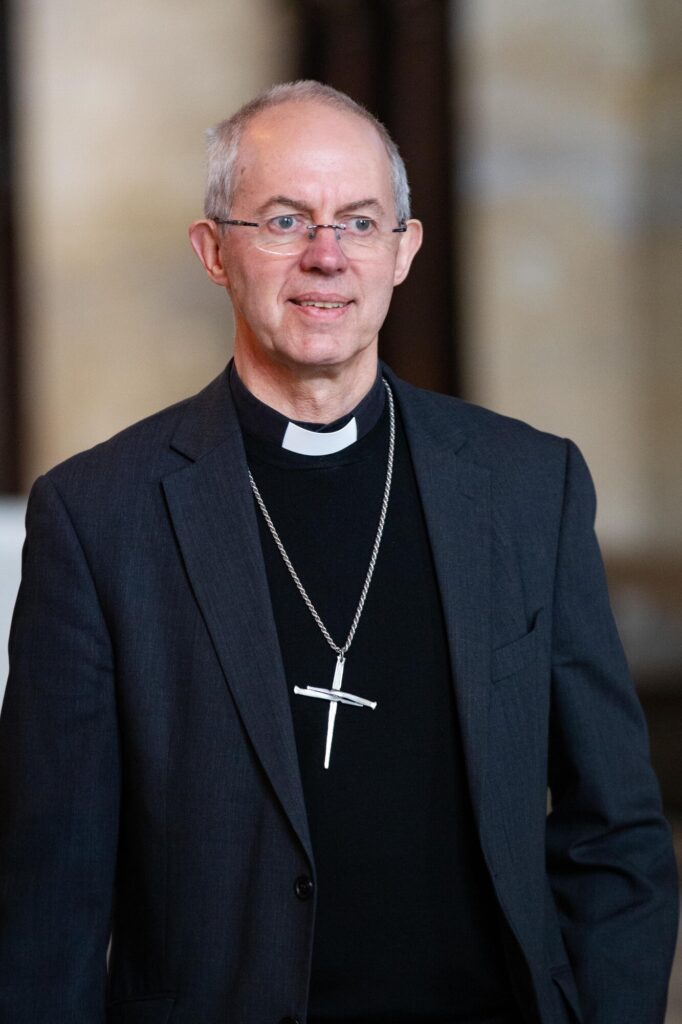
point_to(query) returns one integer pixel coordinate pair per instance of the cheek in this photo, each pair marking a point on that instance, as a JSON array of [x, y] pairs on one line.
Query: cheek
[[256, 296], [379, 293]]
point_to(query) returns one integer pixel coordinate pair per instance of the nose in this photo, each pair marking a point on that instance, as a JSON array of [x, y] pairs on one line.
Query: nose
[[323, 252]]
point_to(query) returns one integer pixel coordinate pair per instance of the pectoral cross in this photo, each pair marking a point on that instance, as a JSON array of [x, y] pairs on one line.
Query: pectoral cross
[[335, 696]]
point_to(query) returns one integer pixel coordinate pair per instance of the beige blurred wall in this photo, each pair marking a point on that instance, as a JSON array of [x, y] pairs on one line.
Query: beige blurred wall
[[119, 318], [573, 240]]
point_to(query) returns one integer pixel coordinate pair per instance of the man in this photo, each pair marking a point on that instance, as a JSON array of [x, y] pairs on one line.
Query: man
[[295, 661]]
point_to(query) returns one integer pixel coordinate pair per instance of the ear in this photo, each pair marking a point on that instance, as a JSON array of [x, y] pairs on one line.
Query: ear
[[410, 243], [205, 238]]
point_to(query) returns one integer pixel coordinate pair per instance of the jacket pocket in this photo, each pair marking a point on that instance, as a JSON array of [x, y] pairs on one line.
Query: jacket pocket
[[518, 654], [144, 1010], [565, 982]]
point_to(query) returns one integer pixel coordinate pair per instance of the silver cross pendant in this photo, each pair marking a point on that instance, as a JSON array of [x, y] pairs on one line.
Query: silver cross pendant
[[335, 696]]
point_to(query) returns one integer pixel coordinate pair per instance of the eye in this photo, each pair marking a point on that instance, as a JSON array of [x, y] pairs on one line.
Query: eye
[[284, 224], [361, 225]]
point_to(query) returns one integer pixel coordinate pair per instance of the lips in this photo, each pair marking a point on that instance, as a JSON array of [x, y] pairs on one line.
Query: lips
[[318, 301], [322, 305]]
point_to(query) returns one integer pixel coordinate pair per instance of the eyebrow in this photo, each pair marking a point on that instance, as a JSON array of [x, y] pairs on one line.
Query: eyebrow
[[302, 207], [363, 204]]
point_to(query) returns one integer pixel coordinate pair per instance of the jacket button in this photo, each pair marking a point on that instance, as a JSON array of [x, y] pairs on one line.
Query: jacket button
[[303, 887]]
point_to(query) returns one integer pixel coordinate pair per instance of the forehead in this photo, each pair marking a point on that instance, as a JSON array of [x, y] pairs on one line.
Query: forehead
[[313, 152]]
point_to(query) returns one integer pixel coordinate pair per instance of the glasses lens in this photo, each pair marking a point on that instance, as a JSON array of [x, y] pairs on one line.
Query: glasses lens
[[363, 238], [285, 234]]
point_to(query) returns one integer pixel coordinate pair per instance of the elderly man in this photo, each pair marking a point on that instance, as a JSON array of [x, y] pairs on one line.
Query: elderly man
[[295, 661]]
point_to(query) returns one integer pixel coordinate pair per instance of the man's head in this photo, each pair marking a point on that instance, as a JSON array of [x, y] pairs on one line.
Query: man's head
[[222, 143], [305, 155]]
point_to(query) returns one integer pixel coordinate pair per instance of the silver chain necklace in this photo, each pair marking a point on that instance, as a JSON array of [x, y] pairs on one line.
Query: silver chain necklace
[[335, 695]]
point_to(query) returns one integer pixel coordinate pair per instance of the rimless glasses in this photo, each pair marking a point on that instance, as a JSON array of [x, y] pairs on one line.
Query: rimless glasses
[[288, 234]]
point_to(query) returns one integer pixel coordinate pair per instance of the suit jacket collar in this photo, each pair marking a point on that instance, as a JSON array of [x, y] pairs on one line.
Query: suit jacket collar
[[214, 518], [209, 419]]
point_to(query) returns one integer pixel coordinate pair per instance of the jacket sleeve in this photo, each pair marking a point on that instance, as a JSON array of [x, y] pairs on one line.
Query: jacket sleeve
[[610, 857], [59, 782]]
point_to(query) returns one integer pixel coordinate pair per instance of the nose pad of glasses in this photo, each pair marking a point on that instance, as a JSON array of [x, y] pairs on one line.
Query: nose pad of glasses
[[312, 230]]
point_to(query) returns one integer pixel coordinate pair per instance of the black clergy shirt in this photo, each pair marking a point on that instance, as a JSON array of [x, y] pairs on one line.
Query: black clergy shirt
[[406, 925]]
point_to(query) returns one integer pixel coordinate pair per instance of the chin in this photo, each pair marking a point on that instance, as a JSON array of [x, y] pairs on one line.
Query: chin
[[324, 351]]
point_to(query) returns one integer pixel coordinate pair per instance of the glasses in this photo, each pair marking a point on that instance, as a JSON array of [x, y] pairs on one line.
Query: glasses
[[288, 234]]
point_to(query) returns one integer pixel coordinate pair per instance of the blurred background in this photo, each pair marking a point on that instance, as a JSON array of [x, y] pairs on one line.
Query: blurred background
[[544, 147]]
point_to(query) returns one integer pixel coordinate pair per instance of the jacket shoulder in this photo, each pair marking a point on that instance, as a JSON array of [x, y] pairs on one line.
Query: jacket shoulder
[[491, 435], [527, 468], [138, 453]]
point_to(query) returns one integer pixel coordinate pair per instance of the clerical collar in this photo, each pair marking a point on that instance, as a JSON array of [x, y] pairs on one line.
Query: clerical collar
[[265, 423]]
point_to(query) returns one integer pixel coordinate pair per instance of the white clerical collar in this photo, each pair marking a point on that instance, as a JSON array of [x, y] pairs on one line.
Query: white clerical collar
[[263, 422], [313, 442]]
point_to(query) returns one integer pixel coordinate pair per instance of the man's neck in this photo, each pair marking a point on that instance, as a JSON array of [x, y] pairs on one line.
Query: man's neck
[[309, 394]]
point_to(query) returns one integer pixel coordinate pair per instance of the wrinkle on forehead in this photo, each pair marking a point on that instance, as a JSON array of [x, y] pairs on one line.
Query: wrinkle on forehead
[[367, 205]]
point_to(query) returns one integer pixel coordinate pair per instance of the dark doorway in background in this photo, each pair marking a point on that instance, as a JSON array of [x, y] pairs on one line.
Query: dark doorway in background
[[393, 56]]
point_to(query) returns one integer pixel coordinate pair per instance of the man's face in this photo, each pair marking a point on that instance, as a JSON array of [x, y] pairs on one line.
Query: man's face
[[327, 164]]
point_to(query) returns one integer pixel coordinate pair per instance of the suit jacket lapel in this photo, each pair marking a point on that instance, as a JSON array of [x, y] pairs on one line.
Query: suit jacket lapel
[[211, 506], [455, 497]]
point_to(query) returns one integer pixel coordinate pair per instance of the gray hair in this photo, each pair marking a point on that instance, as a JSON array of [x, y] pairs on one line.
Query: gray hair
[[222, 143]]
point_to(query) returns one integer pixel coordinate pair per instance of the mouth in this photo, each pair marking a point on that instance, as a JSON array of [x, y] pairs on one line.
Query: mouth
[[315, 300], [321, 307]]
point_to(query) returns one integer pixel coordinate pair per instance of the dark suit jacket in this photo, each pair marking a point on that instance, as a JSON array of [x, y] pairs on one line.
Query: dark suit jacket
[[148, 771]]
